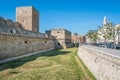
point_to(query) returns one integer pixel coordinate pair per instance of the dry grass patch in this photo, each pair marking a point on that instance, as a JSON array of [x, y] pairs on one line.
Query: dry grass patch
[[51, 65]]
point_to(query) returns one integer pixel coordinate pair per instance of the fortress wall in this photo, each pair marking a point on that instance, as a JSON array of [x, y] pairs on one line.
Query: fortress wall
[[12, 45], [103, 66], [2, 21], [8, 26], [10, 23], [7, 22]]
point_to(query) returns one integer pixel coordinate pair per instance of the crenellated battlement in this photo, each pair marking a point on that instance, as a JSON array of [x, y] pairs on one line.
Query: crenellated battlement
[[40, 35], [11, 28], [9, 23]]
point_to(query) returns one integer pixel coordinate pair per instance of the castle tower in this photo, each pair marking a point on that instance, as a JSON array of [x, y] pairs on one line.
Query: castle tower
[[28, 17], [105, 21]]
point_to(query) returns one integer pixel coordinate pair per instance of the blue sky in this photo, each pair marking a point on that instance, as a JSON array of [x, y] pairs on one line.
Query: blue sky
[[74, 15]]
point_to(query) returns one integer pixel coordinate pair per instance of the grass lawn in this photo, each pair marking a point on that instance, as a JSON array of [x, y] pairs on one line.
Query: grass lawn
[[51, 65]]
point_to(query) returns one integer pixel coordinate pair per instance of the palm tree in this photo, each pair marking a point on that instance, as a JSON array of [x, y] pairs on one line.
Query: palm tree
[[95, 36], [92, 35]]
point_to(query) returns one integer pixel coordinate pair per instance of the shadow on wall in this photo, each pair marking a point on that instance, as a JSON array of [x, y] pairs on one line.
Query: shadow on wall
[[19, 62], [64, 45], [57, 44]]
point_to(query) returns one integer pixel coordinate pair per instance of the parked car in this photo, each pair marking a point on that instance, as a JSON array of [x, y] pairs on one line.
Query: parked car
[[118, 46], [101, 45], [110, 45]]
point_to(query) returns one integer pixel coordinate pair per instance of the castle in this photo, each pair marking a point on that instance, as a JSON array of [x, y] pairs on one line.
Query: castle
[[22, 36], [62, 37]]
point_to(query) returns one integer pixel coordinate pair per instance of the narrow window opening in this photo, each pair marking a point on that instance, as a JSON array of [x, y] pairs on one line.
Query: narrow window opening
[[17, 31], [11, 31], [23, 20], [25, 42], [26, 33], [45, 41], [58, 32], [58, 44]]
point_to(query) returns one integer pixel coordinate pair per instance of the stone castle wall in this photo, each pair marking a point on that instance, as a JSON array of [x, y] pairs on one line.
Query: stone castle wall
[[22, 37], [28, 17], [8, 26], [8, 22], [12, 45], [16, 41], [62, 37], [103, 66]]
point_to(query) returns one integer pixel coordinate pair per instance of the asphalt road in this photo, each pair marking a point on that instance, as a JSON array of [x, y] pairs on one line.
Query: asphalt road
[[108, 51]]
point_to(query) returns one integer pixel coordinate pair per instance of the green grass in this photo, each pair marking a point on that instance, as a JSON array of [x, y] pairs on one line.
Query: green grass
[[87, 70], [52, 65]]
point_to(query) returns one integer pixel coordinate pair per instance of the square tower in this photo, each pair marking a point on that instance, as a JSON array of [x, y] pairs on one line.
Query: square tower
[[28, 17]]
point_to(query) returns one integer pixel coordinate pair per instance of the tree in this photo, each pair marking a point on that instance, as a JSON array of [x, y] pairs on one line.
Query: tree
[[92, 35], [75, 34], [104, 32], [95, 36], [75, 42], [89, 35], [114, 33]]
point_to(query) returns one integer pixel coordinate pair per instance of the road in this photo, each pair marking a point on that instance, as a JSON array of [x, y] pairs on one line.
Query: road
[[108, 51]]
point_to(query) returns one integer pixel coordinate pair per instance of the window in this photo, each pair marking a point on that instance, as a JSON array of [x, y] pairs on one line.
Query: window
[[25, 12], [11, 31], [25, 42], [23, 20], [26, 33], [17, 31], [58, 44], [45, 41], [58, 32]]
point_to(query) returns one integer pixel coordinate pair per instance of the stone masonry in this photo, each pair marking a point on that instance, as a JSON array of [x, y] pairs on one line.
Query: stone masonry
[[28, 17], [62, 37], [22, 37], [103, 65]]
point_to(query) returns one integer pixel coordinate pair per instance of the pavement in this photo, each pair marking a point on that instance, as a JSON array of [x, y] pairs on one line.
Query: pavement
[[108, 51]]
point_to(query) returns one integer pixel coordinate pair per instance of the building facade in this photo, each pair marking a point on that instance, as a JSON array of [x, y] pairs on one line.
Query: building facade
[[103, 31], [117, 34], [78, 39]]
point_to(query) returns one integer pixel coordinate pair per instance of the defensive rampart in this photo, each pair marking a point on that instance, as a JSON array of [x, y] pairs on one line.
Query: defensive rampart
[[12, 45], [102, 65]]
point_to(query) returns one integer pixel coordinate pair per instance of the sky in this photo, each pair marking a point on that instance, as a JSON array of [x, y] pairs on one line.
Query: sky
[[77, 16]]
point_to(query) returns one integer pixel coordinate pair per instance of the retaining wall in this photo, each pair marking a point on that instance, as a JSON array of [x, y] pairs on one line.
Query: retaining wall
[[103, 66]]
